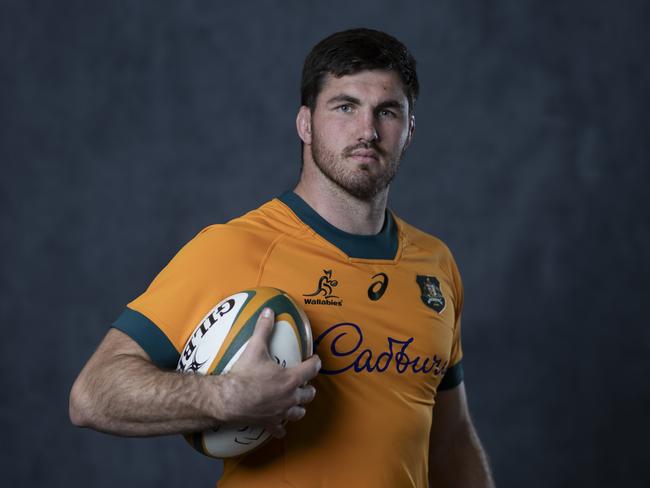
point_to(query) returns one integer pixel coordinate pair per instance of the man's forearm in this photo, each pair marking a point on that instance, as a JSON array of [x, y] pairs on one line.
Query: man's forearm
[[460, 463], [121, 392], [132, 397]]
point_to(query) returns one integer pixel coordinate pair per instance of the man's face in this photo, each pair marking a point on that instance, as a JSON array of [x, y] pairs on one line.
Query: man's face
[[360, 129]]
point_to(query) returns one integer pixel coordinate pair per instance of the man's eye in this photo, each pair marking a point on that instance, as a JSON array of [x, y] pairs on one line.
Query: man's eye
[[345, 108], [386, 113]]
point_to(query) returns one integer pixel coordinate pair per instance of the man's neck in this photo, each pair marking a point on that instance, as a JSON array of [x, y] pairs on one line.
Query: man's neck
[[342, 210]]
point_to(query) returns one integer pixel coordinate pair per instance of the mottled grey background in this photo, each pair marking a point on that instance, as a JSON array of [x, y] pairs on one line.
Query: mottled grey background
[[126, 127]]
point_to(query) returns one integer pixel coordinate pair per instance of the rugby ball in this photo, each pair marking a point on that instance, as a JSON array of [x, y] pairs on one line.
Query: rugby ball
[[219, 340]]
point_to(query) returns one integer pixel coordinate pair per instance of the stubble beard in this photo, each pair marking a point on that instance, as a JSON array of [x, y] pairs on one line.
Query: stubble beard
[[359, 182]]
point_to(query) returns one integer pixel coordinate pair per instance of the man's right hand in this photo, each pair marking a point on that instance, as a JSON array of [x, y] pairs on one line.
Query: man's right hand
[[258, 391]]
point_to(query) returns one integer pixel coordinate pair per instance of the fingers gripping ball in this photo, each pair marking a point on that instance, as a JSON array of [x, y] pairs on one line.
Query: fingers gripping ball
[[220, 339]]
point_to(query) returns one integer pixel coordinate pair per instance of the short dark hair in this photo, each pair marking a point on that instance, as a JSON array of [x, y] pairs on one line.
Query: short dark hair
[[351, 51]]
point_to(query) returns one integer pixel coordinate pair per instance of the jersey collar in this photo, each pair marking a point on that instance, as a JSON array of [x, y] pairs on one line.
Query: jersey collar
[[379, 246]]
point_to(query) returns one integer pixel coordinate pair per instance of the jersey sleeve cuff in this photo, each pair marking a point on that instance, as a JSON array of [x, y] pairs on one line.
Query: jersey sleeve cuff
[[453, 377], [150, 338]]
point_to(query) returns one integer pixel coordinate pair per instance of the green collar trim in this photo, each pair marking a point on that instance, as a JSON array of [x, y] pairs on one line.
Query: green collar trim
[[379, 246]]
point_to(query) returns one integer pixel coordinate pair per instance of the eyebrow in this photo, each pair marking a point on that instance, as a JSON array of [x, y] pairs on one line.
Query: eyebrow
[[350, 99], [343, 98]]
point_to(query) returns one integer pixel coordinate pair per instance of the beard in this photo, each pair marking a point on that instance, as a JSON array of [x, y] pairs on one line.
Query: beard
[[357, 180]]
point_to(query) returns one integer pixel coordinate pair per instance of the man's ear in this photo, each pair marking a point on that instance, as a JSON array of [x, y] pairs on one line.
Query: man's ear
[[303, 124], [409, 137]]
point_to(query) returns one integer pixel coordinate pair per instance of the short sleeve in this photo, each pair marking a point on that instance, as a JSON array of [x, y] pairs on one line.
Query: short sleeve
[[455, 374], [219, 261]]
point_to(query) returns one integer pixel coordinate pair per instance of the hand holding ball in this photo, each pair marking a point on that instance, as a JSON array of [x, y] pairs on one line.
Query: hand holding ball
[[265, 364]]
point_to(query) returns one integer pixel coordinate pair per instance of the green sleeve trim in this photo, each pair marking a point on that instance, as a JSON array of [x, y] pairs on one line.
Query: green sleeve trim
[[453, 377], [150, 338]]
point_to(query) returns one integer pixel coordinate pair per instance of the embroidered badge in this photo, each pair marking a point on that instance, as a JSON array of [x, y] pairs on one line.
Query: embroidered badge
[[430, 292]]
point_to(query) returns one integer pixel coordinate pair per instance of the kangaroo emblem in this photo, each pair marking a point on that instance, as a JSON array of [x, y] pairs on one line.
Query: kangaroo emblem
[[325, 285]]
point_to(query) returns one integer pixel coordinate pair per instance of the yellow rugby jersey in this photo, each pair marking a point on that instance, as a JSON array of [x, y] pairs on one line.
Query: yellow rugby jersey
[[385, 314]]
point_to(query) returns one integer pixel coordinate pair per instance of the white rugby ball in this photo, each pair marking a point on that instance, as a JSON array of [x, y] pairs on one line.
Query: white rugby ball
[[220, 339]]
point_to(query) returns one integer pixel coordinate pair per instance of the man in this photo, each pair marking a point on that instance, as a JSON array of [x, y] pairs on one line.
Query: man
[[383, 298]]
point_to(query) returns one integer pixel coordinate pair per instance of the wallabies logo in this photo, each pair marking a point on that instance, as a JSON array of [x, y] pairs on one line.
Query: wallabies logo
[[325, 286]]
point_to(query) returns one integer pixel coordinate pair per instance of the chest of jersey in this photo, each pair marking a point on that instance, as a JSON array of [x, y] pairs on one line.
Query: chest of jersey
[[385, 331], [387, 322]]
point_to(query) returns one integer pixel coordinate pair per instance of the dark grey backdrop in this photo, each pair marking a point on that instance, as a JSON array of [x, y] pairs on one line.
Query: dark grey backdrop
[[126, 127]]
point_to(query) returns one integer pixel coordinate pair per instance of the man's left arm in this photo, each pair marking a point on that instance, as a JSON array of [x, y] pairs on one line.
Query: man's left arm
[[456, 456]]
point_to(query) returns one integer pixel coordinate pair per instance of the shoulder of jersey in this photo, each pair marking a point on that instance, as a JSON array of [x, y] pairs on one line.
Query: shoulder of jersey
[[263, 223], [422, 239], [273, 216]]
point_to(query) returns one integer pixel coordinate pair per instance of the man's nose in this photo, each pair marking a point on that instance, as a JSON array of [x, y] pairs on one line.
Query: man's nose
[[368, 127]]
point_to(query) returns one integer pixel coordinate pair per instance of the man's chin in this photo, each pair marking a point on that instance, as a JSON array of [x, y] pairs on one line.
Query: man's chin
[[363, 192], [365, 167]]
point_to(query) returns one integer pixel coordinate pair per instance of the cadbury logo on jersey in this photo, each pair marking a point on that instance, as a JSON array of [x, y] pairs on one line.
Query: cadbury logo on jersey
[[361, 359], [325, 291]]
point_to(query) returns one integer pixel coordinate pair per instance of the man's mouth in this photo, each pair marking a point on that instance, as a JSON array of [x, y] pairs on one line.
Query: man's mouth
[[364, 155]]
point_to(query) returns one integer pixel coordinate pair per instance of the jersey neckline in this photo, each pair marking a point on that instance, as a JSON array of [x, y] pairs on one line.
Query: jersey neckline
[[383, 245]]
